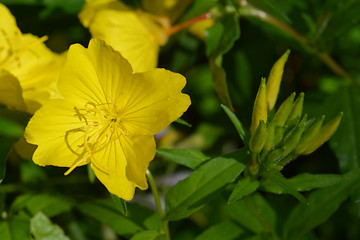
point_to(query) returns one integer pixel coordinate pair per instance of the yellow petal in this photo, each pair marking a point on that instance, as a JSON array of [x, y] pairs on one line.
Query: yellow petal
[[121, 28], [139, 151], [153, 101], [10, 91], [112, 69], [122, 165], [27, 58], [79, 81], [54, 128], [9, 33]]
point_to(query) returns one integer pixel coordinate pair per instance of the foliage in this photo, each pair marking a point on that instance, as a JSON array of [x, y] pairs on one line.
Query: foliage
[[216, 176]]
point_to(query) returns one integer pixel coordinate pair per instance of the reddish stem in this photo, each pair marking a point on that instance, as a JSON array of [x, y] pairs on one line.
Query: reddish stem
[[186, 24]]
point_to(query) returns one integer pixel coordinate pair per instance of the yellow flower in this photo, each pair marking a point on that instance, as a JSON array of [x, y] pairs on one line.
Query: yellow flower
[[34, 69], [135, 34], [107, 118]]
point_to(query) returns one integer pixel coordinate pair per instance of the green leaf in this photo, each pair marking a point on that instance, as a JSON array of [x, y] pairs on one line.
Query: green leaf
[[235, 121], [243, 188], [219, 39], [197, 8], [50, 205], [346, 140], [219, 80], [225, 230], [138, 219], [43, 229], [278, 179], [5, 147], [253, 213], [148, 235], [303, 182], [105, 212], [322, 204], [16, 228], [342, 20], [272, 8], [10, 129], [192, 193], [183, 122], [186, 157], [120, 203]]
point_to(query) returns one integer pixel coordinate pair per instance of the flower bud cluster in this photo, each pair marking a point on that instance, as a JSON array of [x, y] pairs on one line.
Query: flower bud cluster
[[277, 138]]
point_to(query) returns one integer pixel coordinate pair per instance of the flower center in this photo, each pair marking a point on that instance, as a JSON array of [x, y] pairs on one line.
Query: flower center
[[102, 125]]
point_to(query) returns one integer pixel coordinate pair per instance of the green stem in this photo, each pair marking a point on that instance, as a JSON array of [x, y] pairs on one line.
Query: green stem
[[251, 11], [164, 221]]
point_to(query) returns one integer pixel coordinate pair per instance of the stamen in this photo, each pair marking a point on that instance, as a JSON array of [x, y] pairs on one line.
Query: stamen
[[83, 160]]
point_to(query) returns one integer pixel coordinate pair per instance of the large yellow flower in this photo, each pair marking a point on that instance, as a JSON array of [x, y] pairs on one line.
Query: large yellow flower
[[135, 34], [27, 65], [107, 118]]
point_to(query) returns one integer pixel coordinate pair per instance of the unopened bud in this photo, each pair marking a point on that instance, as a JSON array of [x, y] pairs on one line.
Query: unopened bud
[[259, 110], [296, 109], [258, 139], [293, 140], [275, 156], [284, 110], [309, 136], [269, 143], [325, 133], [274, 80], [279, 134]]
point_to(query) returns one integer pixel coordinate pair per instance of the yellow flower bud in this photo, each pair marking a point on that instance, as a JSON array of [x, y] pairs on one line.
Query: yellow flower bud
[[259, 110], [325, 133], [293, 140], [309, 136], [284, 110], [279, 134], [296, 109], [274, 81], [258, 139], [269, 143]]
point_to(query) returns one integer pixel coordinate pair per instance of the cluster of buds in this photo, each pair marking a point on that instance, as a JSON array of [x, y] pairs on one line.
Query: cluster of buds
[[281, 136]]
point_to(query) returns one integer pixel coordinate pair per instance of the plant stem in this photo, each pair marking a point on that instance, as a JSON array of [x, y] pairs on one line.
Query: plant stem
[[186, 24], [251, 11], [164, 221]]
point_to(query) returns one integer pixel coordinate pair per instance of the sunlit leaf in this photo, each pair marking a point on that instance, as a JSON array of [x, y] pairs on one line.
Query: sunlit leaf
[[279, 180], [304, 182], [186, 157], [243, 188], [190, 194], [43, 229], [253, 213]]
